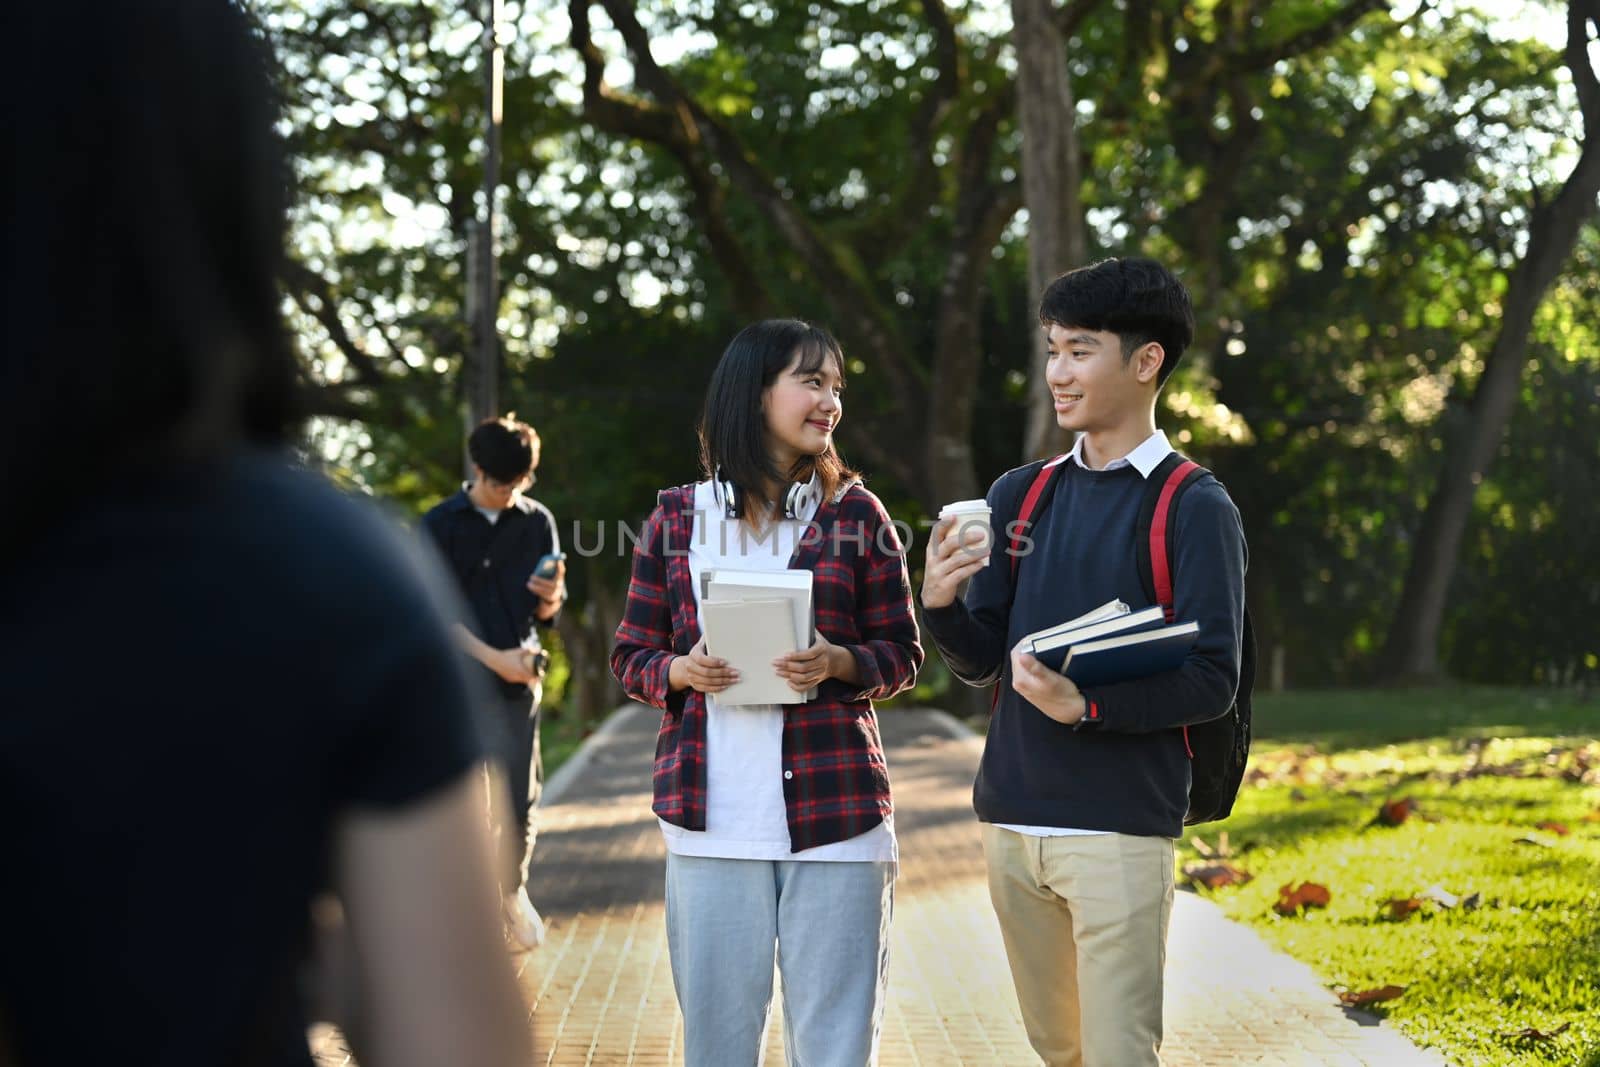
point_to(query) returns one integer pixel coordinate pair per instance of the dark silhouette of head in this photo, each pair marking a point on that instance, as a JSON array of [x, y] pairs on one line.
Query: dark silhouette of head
[[145, 235]]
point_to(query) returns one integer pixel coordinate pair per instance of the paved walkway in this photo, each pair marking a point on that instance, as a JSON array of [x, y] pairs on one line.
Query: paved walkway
[[601, 987]]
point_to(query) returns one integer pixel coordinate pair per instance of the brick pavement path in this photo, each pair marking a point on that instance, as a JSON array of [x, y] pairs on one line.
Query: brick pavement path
[[601, 987]]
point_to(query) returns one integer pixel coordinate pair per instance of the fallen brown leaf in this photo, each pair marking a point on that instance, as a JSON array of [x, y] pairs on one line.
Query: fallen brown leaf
[[1292, 898], [1400, 907], [1371, 996], [1216, 875], [1395, 812], [1529, 1033], [1554, 827]]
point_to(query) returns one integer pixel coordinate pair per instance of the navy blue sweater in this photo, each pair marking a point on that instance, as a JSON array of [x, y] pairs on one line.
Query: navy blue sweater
[[1129, 771]]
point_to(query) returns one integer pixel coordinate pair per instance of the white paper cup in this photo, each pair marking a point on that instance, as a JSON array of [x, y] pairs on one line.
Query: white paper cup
[[972, 529]]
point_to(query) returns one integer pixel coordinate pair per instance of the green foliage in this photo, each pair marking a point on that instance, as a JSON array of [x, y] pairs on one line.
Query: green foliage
[[1345, 207], [1519, 610]]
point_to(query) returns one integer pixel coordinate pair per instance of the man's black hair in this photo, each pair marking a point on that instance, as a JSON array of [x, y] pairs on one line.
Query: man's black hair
[[733, 427], [145, 239], [1139, 300], [503, 448]]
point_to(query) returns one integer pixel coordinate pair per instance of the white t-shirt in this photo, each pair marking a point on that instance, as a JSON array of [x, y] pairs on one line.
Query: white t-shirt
[[745, 814]]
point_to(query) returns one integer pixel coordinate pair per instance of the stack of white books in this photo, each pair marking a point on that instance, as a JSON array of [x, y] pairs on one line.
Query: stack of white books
[[1113, 643], [751, 618]]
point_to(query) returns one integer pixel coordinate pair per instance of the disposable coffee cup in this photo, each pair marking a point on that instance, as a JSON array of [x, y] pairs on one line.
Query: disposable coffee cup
[[971, 530]]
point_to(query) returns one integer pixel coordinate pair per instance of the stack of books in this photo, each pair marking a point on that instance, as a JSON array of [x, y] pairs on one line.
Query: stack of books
[[751, 618], [1113, 644]]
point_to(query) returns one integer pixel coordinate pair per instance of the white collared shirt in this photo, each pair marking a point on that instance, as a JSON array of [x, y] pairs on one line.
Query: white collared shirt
[[1146, 455]]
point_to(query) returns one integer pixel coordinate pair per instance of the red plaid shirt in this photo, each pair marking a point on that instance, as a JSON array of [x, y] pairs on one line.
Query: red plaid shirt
[[836, 784]]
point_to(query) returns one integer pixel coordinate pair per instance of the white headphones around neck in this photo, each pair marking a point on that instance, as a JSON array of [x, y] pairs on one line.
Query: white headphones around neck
[[800, 502]]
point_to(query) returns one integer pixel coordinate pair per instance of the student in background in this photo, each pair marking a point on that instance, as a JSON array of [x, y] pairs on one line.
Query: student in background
[[494, 539], [777, 818], [1083, 793], [226, 685]]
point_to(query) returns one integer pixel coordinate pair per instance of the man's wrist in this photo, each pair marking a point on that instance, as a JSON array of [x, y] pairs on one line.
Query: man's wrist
[[1072, 710]]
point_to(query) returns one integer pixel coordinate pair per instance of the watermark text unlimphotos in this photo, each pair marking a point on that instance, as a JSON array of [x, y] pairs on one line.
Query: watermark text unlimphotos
[[593, 538]]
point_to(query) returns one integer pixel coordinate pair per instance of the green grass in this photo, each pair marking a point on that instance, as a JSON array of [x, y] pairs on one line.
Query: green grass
[[1483, 766], [559, 737], [1361, 718], [560, 732]]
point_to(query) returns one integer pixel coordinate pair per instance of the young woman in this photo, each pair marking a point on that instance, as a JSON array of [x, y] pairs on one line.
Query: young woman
[[777, 818]]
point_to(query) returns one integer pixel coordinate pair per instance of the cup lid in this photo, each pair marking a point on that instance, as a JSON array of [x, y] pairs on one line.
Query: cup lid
[[961, 506]]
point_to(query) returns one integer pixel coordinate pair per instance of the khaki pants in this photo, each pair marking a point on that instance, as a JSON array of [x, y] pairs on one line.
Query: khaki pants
[[1085, 925]]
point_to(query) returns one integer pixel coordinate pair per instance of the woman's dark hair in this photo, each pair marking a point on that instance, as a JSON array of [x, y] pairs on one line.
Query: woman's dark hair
[[503, 448], [1139, 300], [733, 428], [145, 236]]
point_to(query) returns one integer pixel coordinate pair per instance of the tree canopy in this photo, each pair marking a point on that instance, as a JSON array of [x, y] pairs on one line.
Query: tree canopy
[[1350, 187]]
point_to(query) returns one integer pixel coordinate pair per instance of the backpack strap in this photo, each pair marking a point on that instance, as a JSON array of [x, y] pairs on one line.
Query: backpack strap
[[1157, 526], [1039, 490], [1043, 481], [1157, 534]]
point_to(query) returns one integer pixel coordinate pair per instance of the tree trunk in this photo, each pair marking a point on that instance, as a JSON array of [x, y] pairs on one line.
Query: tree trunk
[[1412, 649], [1050, 184], [952, 473], [586, 636]]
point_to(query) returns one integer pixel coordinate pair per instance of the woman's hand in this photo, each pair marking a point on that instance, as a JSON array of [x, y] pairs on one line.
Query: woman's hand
[[812, 666], [700, 671], [951, 561]]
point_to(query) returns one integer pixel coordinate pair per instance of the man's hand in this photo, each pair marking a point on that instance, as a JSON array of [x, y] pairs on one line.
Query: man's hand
[[510, 664], [701, 671], [550, 591], [951, 561], [815, 665], [1052, 693]]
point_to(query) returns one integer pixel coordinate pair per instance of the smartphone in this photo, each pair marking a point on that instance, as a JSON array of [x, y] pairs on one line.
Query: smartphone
[[546, 567]]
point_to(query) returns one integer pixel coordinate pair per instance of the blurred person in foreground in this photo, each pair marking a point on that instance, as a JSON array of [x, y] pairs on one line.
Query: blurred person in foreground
[[225, 686], [503, 549]]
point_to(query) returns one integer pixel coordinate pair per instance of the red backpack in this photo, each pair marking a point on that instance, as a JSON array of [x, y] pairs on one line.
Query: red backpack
[[1217, 749]]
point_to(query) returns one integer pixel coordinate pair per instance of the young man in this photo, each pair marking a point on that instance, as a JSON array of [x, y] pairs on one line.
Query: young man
[[1084, 792], [493, 537]]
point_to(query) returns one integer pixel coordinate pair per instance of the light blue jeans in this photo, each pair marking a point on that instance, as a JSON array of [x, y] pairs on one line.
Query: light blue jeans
[[829, 923]]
